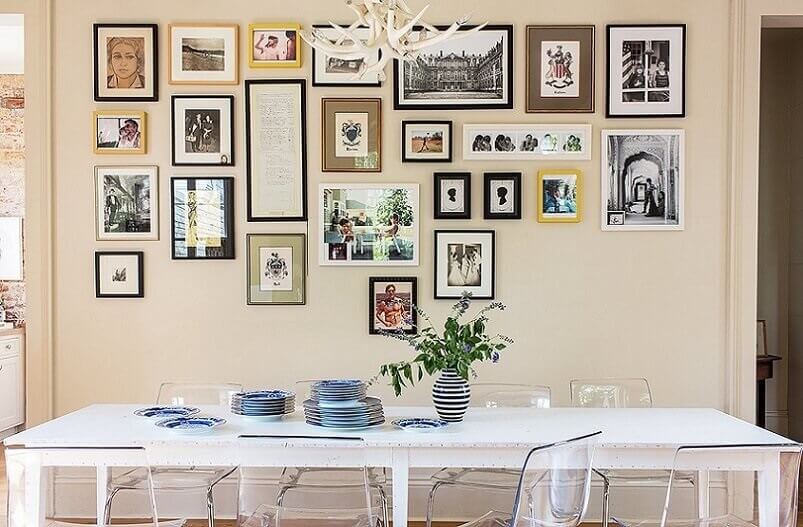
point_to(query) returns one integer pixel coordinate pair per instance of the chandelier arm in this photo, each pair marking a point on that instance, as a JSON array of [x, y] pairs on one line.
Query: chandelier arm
[[449, 34], [348, 35]]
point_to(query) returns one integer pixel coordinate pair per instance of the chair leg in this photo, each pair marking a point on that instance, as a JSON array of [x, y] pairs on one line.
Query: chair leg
[[606, 493], [280, 496], [210, 506], [431, 502], [107, 509], [383, 499]]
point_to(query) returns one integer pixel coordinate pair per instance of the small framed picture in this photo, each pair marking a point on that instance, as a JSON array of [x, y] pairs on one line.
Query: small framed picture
[[120, 132], [202, 218], [452, 196], [126, 62], [119, 274], [333, 71], [352, 140], [560, 196], [11, 249], [204, 53], [274, 45], [426, 141], [392, 305], [203, 130], [276, 269], [502, 196], [527, 142], [126, 203], [465, 262]]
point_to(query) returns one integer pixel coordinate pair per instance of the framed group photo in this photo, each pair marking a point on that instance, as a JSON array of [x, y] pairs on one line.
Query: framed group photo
[[560, 196], [126, 203], [465, 261], [203, 130], [426, 141], [274, 45], [202, 218], [126, 62], [119, 274], [452, 196], [392, 305], [502, 196], [333, 71], [119, 132], [204, 53], [276, 269], [352, 135], [523, 142]]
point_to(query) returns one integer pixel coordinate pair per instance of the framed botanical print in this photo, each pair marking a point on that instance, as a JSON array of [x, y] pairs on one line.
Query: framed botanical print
[[126, 62], [352, 135], [126, 203], [426, 141], [11, 249], [333, 71], [276, 269], [527, 142], [119, 274], [452, 196], [392, 303], [465, 261], [274, 45], [202, 218], [204, 54], [203, 130], [119, 132], [560, 196], [502, 196]]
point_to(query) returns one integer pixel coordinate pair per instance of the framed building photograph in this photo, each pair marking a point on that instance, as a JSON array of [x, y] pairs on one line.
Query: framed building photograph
[[642, 180], [126, 62], [333, 71], [470, 73], [276, 269], [465, 261], [368, 224], [560, 196], [203, 130], [646, 70], [352, 135], [119, 274], [452, 196], [126, 203], [560, 69], [523, 142], [276, 149], [502, 199], [274, 45], [426, 141], [11, 244], [119, 132], [202, 212], [204, 54], [392, 305]]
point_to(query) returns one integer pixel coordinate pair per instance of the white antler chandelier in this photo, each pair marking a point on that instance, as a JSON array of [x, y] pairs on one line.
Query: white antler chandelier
[[391, 27]]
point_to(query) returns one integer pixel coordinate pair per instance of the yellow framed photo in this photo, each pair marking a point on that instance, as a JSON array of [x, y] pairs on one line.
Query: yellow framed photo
[[274, 45], [119, 132], [560, 196]]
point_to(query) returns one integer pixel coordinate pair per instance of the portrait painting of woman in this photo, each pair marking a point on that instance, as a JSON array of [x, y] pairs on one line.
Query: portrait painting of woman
[[125, 62]]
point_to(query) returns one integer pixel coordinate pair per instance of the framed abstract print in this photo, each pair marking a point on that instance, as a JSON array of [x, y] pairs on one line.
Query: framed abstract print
[[502, 197], [274, 45], [203, 130], [352, 135], [204, 53], [202, 218], [452, 196], [527, 142], [426, 141], [119, 274], [276, 269], [560, 196], [11, 249], [392, 303], [333, 71], [126, 62], [126, 203], [119, 132], [465, 261]]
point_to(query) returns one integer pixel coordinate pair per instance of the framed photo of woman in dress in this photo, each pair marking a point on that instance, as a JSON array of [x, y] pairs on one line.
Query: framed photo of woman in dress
[[126, 62], [392, 305]]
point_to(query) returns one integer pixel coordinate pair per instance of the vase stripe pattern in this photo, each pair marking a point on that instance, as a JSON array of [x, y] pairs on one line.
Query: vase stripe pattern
[[451, 394]]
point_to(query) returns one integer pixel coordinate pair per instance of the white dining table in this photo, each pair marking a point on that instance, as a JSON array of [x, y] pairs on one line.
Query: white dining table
[[643, 438]]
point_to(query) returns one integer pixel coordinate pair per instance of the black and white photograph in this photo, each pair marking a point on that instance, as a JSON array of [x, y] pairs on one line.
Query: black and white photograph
[[202, 218], [426, 141], [392, 305], [119, 132], [522, 142], [276, 269], [642, 180], [470, 73], [502, 196], [203, 130], [119, 274], [465, 262], [333, 71], [204, 54], [11, 248], [126, 62], [452, 196], [126, 203]]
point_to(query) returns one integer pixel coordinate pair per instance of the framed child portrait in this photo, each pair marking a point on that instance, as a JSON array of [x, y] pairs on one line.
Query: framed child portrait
[[560, 196]]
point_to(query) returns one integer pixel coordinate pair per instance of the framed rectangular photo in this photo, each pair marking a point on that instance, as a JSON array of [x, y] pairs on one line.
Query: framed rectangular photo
[[126, 62], [333, 71], [426, 141], [119, 132], [560, 196], [204, 53], [452, 196], [527, 142], [392, 302], [203, 130], [276, 269], [119, 274], [11, 249], [274, 45], [502, 200], [465, 261], [352, 135], [202, 218], [126, 203]]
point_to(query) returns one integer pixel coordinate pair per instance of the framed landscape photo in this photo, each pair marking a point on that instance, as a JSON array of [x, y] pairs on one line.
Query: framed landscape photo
[[452, 196], [276, 269], [204, 53], [465, 261], [352, 135], [119, 132], [274, 45], [119, 274], [203, 130], [426, 141], [470, 73], [333, 71], [11, 249], [646, 70], [126, 203], [560, 196], [527, 142], [391, 305], [502, 200], [126, 62], [202, 218]]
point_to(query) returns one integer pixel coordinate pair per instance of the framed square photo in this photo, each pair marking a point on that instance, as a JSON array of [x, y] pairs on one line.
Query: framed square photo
[[392, 305], [11, 249], [465, 261], [426, 141], [119, 274], [274, 45], [452, 196], [560, 196], [203, 130], [502, 196], [126, 203], [126, 62], [276, 269], [204, 54], [120, 132], [202, 218], [352, 135], [333, 71]]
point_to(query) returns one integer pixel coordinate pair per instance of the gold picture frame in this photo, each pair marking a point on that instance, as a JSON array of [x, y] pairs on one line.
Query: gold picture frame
[[273, 30], [572, 197], [227, 75], [351, 134], [107, 132]]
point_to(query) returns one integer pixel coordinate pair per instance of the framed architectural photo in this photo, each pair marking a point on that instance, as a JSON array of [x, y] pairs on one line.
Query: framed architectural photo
[[502, 199], [352, 135], [642, 184], [465, 261], [332, 71], [203, 130], [202, 218], [470, 73], [119, 274], [560, 196], [560, 69], [452, 196], [274, 46], [523, 142], [277, 269], [204, 54], [11, 260], [126, 203], [426, 141], [126, 62], [646, 71], [120, 132], [391, 305]]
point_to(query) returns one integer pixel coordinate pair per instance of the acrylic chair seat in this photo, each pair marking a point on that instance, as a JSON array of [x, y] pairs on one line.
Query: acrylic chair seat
[[175, 478], [720, 521], [162, 523], [481, 478]]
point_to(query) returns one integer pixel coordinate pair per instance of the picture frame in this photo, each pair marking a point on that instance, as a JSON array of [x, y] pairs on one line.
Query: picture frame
[[126, 62], [452, 196], [126, 203], [527, 142], [276, 171], [119, 274], [427, 141], [204, 54], [351, 134], [11, 249], [202, 130], [560, 196], [202, 217], [465, 261], [416, 85], [637, 89], [560, 69], [271, 278], [332, 72], [119, 132], [284, 53], [502, 197], [391, 305]]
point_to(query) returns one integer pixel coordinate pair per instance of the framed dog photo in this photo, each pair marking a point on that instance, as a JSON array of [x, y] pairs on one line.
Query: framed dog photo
[[126, 203], [119, 274], [276, 269], [502, 196], [274, 45], [560, 196], [392, 305], [352, 135], [334, 71], [126, 62], [426, 141], [465, 262], [119, 132], [204, 54], [203, 130], [202, 222], [452, 195]]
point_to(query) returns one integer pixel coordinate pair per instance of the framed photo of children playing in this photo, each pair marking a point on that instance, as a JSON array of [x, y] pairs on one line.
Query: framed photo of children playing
[[391, 305], [203, 130], [126, 62], [560, 196]]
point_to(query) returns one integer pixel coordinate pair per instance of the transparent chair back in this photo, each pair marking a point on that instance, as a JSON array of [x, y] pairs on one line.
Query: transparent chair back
[[490, 395], [179, 393], [611, 393]]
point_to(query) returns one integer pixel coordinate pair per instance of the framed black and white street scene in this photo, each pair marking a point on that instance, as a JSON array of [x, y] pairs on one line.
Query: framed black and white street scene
[[126, 203], [333, 71], [391, 304], [204, 54], [470, 73], [11, 249], [276, 269], [523, 142], [646, 71], [465, 261], [126, 62], [502, 197], [426, 141], [352, 135], [452, 196], [202, 218], [119, 132], [119, 274], [203, 130]]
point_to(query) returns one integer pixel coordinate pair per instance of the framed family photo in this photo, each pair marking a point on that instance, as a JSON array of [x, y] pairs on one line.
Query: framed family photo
[[202, 211], [392, 305], [560, 196], [204, 53], [119, 132], [276, 269], [119, 274], [352, 135], [11, 249], [452, 196], [502, 196], [465, 262], [126, 203], [426, 141], [334, 71], [523, 142], [274, 45], [126, 62], [203, 130]]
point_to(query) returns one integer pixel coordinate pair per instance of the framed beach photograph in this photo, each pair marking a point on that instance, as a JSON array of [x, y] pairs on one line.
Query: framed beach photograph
[[119, 132], [470, 73], [203, 130], [352, 135], [391, 305], [126, 203], [204, 53], [646, 70], [560, 69], [465, 261], [368, 224], [202, 217], [333, 71], [11, 249], [452, 196], [276, 269], [274, 45], [126, 62], [560, 196], [426, 141], [642, 183], [523, 142], [119, 274], [502, 198]]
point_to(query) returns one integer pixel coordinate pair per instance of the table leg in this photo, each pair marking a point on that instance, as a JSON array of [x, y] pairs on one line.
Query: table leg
[[101, 493], [769, 491], [27, 485], [703, 488], [401, 482]]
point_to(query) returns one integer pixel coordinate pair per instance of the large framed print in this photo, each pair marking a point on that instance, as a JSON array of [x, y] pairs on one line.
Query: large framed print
[[202, 213], [465, 261], [203, 130], [276, 269], [352, 135], [119, 274], [274, 45], [119, 132], [646, 70], [527, 142], [643, 176], [392, 304], [333, 71], [204, 54], [368, 224], [426, 141], [560, 196], [126, 203], [126, 62], [11, 260], [276, 149], [474, 72]]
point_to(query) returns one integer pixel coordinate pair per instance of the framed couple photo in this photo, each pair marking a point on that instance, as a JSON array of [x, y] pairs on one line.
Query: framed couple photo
[[120, 132], [203, 130], [465, 261]]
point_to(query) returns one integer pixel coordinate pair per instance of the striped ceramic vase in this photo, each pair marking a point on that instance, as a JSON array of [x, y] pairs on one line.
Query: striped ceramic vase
[[451, 394]]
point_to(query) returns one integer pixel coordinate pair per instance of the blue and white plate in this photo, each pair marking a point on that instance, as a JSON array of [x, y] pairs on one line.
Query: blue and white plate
[[420, 424], [191, 425], [163, 412], [263, 396]]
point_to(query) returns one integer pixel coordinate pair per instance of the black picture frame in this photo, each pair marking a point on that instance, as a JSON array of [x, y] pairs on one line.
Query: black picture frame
[[140, 273], [439, 214], [372, 280], [227, 246], [316, 83], [490, 177], [154, 60], [436, 260], [176, 97], [406, 159]]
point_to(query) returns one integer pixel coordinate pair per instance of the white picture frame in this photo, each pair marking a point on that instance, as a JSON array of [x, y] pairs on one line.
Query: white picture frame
[[527, 142], [204, 54], [11, 249], [331, 72], [202, 130], [126, 203]]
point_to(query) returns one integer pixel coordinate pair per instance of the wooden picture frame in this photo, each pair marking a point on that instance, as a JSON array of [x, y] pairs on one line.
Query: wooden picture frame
[[274, 30], [103, 286], [198, 65], [269, 278], [109, 137], [457, 196], [408, 307], [497, 202], [573, 195], [351, 134], [130, 58]]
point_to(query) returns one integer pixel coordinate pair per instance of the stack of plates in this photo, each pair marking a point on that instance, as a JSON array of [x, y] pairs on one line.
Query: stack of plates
[[339, 390], [264, 405], [342, 404]]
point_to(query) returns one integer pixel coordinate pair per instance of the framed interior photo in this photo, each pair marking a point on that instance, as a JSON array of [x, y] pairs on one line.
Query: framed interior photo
[[391, 305], [202, 218], [11, 244], [276, 269], [646, 70], [465, 261], [274, 45], [560, 196], [203, 130], [119, 132], [333, 71], [119, 274], [352, 135], [642, 183], [126, 62], [560, 69], [426, 141], [474, 72], [502, 198], [204, 53], [276, 149], [523, 142], [126, 203], [452, 196]]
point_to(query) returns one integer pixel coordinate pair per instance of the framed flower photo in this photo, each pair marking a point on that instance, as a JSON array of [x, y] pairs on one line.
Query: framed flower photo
[[333, 71], [391, 305], [560, 196], [276, 269], [126, 203], [203, 130], [126, 62], [426, 141], [452, 196], [502, 196], [119, 274], [202, 211], [352, 135], [204, 54], [465, 261], [120, 132], [274, 45]]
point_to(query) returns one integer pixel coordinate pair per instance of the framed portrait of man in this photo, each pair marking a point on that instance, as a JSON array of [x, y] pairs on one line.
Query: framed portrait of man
[[392, 305], [126, 62], [126, 203]]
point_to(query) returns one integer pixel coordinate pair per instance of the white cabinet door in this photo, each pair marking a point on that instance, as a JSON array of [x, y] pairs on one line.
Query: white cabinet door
[[11, 394]]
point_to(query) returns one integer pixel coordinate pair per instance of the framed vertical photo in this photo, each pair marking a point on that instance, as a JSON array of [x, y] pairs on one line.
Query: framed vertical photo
[[426, 141], [126, 203], [352, 135], [202, 218], [126, 62], [465, 261], [203, 130], [392, 302], [274, 45], [276, 269], [560, 196], [452, 196], [502, 200], [11, 259], [119, 132], [119, 274], [204, 53], [646, 70], [333, 71]]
